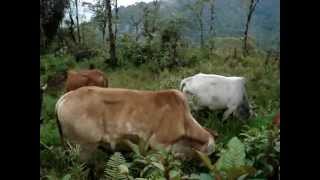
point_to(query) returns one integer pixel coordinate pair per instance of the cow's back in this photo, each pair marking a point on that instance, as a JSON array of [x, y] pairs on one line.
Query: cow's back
[[77, 79], [78, 117], [215, 88], [93, 114]]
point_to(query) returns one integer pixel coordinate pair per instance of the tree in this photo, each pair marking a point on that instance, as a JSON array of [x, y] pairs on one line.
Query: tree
[[169, 39], [135, 22], [150, 17], [99, 15], [51, 15], [112, 49], [211, 30], [155, 15], [146, 22], [71, 24], [136, 19], [198, 8], [77, 21], [252, 7], [116, 20]]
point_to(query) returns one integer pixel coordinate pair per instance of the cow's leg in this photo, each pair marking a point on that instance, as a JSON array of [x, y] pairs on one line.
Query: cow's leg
[[228, 112], [156, 142], [86, 152]]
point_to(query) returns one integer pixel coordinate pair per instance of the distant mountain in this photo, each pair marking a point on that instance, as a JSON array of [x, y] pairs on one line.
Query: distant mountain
[[230, 18]]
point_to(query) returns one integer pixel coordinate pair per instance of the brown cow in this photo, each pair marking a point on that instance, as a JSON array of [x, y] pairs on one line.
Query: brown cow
[[276, 119], [92, 77], [93, 116]]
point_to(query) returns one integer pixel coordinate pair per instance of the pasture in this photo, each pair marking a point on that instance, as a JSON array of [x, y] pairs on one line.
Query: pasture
[[249, 139]]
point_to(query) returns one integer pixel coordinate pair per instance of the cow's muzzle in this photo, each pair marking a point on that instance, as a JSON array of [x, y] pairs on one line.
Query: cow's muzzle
[[211, 146]]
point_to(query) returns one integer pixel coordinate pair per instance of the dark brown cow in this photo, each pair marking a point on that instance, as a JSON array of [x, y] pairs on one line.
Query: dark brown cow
[[92, 77], [93, 116]]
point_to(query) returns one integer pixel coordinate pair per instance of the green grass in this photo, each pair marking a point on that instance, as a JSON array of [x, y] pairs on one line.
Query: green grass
[[263, 85]]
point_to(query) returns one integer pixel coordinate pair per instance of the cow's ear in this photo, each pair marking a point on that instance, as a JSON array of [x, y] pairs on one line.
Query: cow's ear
[[44, 87], [212, 132]]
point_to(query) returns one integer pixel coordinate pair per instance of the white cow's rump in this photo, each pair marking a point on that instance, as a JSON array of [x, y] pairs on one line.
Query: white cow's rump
[[217, 92]]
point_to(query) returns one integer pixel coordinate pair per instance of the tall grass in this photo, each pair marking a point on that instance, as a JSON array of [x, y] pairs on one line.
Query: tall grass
[[262, 86]]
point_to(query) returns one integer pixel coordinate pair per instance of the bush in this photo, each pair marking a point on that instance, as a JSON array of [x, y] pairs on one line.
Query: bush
[[53, 70], [263, 149]]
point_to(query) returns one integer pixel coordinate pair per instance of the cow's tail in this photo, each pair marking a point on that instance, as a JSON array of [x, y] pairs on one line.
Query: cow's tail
[[59, 102], [60, 131]]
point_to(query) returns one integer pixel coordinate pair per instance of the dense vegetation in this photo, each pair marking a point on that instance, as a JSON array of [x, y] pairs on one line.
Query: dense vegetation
[[159, 58]]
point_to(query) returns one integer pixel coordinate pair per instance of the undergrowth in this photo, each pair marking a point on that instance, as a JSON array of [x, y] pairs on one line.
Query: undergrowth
[[263, 86]]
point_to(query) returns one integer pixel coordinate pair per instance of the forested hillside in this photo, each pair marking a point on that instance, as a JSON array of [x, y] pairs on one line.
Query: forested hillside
[[230, 17]]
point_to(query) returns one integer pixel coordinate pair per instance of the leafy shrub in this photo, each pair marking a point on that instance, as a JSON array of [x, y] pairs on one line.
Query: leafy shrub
[[130, 51], [66, 162], [53, 70], [49, 134], [115, 167], [263, 149], [48, 107], [232, 162], [154, 163]]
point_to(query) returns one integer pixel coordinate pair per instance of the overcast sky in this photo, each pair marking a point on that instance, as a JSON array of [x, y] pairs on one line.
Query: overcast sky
[[87, 13], [129, 2]]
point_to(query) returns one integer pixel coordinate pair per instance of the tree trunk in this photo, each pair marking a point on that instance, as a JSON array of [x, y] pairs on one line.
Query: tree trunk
[[267, 58], [155, 15], [77, 19], [235, 56], [252, 6], [174, 49], [147, 27], [112, 49], [71, 30], [201, 27], [137, 31], [211, 25], [211, 18], [201, 33], [135, 23], [104, 23], [116, 23], [103, 35]]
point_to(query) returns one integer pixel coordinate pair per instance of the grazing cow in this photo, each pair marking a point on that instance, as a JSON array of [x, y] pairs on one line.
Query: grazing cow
[[217, 92], [92, 77], [276, 119], [94, 116]]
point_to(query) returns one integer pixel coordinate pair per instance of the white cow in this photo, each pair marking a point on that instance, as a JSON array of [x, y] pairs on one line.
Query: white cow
[[217, 92]]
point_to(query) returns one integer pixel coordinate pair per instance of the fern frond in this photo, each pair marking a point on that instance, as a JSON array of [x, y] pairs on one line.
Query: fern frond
[[114, 167]]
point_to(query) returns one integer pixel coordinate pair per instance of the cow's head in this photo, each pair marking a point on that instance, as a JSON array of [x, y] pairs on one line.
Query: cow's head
[[185, 147], [243, 110], [209, 146]]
